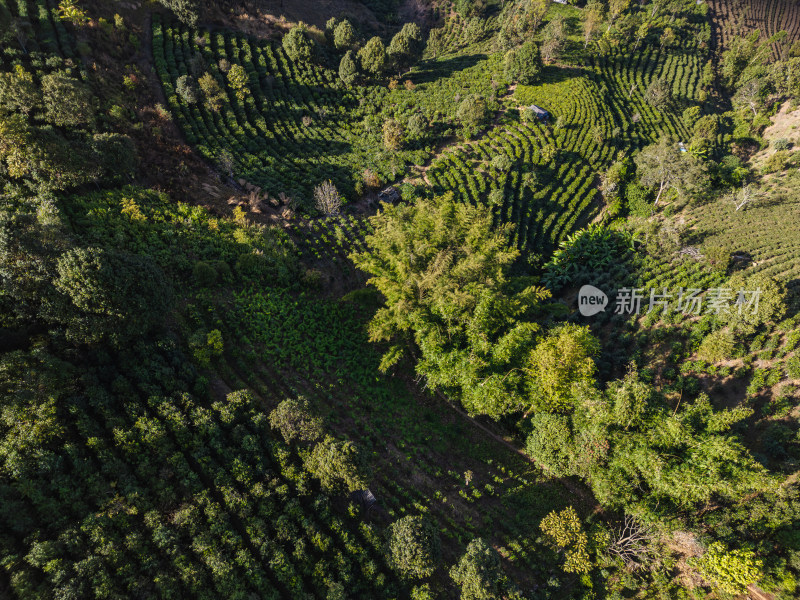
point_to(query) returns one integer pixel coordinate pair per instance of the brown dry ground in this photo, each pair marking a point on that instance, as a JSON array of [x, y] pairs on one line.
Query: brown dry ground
[[785, 125]]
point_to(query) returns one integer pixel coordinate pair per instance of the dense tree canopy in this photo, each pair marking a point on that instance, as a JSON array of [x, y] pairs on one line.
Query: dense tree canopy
[[640, 455], [298, 45], [479, 574], [116, 295], [373, 56], [414, 547], [524, 64], [444, 272]]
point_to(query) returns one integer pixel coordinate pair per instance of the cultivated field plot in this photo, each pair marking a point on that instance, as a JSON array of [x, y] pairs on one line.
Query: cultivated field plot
[[299, 126], [41, 27], [740, 17]]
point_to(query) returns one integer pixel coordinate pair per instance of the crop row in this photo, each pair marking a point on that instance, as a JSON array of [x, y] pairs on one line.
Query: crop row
[[297, 127]]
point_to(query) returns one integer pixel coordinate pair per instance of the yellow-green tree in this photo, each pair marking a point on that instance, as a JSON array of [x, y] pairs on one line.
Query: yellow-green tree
[[444, 271], [729, 571], [237, 78], [562, 360], [565, 531]]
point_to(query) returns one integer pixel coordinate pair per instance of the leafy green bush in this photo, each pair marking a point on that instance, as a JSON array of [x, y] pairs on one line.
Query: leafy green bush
[[729, 571], [295, 421], [565, 530], [523, 64], [414, 547], [717, 346], [338, 465], [479, 574], [546, 444], [114, 295], [205, 345], [780, 144]]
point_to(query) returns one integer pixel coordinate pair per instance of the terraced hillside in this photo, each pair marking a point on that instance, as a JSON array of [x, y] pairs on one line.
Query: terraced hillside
[[40, 27], [740, 17], [298, 127]]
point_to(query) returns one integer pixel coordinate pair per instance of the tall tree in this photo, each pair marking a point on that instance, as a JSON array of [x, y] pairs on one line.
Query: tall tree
[[523, 64], [188, 11], [592, 18], [554, 36], [563, 359], [67, 101], [664, 166], [443, 271], [479, 573], [348, 69], [344, 36], [373, 56], [414, 547], [640, 454], [297, 44]]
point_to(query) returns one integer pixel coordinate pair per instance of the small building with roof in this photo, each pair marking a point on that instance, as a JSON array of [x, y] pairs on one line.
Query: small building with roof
[[540, 113]]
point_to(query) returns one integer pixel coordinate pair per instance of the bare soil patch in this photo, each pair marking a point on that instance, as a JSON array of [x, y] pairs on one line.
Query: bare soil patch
[[316, 12], [785, 125]]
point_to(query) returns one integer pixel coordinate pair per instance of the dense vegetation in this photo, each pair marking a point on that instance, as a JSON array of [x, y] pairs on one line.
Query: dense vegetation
[[290, 311]]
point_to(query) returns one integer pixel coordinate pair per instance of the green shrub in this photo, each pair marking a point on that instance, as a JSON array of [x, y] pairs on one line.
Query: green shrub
[[479, 573], [206, 345], [638, 197], [550, 443], [295, 421], [780, 144], [205, 275], [717, 346], [718, 257], [728, 571], [793, 367], [414, 547], [338, 465]]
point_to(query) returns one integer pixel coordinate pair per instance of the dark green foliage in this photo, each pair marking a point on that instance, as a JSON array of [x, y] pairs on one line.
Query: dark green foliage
[[295, 421], [188, 11], [116, 295], [116, 155], [206, 345], [524, 64], [298, 45], [204, 274], [414, 547], [479, 574], [338, 465], [28, 251], [584, 255], [348, 68]]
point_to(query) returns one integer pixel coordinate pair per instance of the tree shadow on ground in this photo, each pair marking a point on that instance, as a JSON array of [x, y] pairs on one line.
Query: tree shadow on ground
[[431, 70]]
